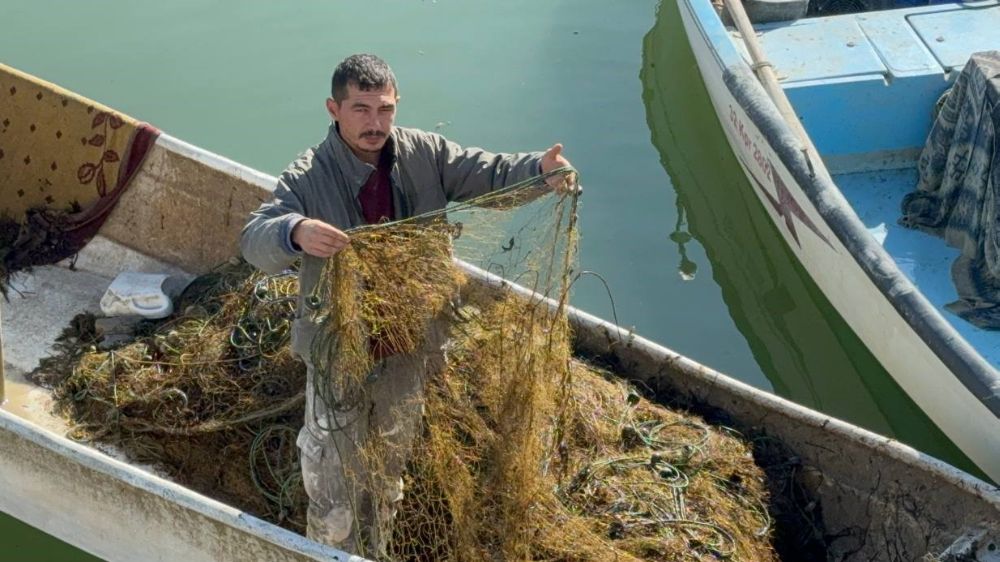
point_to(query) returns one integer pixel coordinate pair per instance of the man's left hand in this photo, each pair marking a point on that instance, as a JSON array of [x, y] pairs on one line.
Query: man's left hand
[[553, 160]]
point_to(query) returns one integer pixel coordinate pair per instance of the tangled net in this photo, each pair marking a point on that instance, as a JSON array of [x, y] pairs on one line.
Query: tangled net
[[524, 453], [213, 396]]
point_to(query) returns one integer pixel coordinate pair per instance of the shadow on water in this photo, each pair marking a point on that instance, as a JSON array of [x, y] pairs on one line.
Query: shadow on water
[[800, 342]]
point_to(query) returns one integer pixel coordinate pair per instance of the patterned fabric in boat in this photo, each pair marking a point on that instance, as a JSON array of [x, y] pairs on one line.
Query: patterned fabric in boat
[[65, 153], [958, 195]]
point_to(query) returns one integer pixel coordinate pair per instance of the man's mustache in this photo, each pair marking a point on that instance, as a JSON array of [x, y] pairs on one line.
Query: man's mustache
[[376, 134]]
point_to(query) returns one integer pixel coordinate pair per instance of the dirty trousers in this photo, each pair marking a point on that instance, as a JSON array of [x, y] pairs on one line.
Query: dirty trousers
[[353, 471]]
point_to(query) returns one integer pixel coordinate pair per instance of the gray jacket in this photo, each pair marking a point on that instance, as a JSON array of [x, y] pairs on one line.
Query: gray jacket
[[428, 172]]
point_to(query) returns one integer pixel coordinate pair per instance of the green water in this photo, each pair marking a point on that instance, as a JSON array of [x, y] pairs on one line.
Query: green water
[[613, 81]]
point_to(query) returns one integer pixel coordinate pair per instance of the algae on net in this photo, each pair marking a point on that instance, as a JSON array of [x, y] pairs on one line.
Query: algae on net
[[525, 452]]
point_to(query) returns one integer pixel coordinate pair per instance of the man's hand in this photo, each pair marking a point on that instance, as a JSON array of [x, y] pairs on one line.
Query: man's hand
[[553, 160], [319, 239]]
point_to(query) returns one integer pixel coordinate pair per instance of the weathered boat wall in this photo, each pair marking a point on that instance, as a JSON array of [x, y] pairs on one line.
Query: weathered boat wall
[[186, 207], [880, 499], [118, 512]]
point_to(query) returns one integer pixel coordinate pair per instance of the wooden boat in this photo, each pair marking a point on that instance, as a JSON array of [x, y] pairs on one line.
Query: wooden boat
[[183, 212], [830, 146]]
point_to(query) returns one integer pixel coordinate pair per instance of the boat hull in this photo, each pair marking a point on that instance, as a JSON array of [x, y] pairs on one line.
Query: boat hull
[[931, 362], [862, 483], [118, 512]]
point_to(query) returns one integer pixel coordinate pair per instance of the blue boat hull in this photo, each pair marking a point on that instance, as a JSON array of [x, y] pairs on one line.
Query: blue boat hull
[[930, 360]]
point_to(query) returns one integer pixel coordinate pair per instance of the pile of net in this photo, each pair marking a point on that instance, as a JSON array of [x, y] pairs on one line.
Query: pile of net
[[212, 397], [522, 453]]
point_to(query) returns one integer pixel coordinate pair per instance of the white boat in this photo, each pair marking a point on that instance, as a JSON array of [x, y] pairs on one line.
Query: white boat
[[877, 498], [832, 149]]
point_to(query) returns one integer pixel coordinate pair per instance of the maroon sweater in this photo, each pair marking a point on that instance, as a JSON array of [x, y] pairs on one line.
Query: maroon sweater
[[375, 196]]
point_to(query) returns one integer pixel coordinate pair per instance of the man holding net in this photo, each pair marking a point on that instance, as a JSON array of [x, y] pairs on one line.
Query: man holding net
[[365, 172]]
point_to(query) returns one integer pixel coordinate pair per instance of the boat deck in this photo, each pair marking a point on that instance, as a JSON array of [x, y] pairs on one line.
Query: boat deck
[[41, 304], [865, 84], [925, 259]]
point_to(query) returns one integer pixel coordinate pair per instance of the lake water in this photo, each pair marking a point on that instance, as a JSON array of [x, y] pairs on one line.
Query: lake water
[[667, 217]]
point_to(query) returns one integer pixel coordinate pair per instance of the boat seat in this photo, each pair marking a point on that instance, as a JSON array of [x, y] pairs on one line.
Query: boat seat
[[766, 11], [865, 84], [953, 35]]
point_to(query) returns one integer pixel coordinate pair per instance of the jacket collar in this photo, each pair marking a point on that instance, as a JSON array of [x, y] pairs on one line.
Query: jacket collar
[[355, 170]]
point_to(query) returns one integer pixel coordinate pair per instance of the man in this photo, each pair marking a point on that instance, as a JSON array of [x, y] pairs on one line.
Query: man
[[364, 172]]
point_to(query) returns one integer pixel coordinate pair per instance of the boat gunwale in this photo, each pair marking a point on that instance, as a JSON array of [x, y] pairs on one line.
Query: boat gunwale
[[977, 375], [94, 459]]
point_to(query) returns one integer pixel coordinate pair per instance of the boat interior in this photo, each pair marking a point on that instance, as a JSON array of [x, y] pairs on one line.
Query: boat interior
[[42, 304], [865, 78]]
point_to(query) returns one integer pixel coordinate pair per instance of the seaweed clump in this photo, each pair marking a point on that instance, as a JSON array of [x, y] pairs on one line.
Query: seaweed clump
[[38, 239]]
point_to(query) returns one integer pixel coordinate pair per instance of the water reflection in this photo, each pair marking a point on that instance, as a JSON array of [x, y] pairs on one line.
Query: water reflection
[[680, 236], [800, 342]]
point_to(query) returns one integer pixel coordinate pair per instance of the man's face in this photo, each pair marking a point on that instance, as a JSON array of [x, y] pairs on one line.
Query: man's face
[[365, 118]]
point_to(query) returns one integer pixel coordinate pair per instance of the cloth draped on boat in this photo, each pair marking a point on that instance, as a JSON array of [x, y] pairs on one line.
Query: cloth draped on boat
[[958, 195], [64, 154]]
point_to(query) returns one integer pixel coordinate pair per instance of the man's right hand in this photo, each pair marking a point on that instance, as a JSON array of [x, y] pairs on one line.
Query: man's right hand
[[319, 239]]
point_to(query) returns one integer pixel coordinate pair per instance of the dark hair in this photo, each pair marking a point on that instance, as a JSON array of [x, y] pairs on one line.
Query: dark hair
[[365, 71]]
